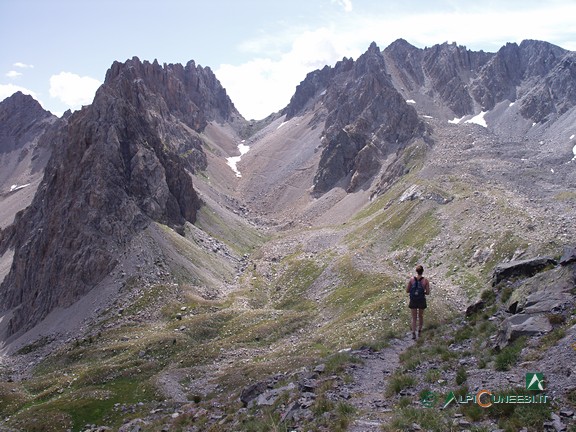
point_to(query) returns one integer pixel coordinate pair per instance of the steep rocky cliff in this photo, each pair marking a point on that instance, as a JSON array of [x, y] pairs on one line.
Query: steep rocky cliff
[[122, 162], [366, 118]]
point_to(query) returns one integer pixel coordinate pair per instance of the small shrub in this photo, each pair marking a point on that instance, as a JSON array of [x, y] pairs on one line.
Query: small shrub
[[518, 416], [488, 296], [486, 327], [432, 375], [322, 405], [412, 357], [404, 402], [556, 319], [399, 382], [572, 397], [473, 411], [463, 333], [428, 419], [461, 376], [506, 293], [336, 364], [509, 355], [482, 363], [344, 412]]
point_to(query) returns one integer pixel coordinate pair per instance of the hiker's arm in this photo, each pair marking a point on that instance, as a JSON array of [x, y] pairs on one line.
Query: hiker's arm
[[427, 287], [408, 285]]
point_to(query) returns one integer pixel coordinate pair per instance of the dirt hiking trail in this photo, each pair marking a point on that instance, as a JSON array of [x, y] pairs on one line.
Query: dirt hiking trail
[[370, 381]]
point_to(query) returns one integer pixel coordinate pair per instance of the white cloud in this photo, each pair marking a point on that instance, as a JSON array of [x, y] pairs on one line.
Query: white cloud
[[281, 60], [23, 65], [262, 86], [73, 90], [346, 4], [13, 74], [7, 90]]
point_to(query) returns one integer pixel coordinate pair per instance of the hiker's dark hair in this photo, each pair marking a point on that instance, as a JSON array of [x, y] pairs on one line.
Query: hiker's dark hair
[[419, 269]]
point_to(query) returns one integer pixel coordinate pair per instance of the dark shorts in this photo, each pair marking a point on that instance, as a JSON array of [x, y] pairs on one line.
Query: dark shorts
[[417, 304]]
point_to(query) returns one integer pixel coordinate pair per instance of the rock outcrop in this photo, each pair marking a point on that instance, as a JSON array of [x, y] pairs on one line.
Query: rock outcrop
[[542, 290], [366, 119], [123, 162]]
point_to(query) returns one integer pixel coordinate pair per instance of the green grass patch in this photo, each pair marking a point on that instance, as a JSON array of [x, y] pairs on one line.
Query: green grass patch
[[565, 196], [358, 289], [428, 419], [506, 293], [399, 382], [241, 237], [13, 397], [432, 375], [509, 355], [418, 232], [289, 291], [206, 326], [337, 363], [266, 327], [75, 407]]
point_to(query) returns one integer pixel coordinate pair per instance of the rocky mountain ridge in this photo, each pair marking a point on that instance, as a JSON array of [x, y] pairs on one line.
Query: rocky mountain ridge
[[366, 111], [121, 162]]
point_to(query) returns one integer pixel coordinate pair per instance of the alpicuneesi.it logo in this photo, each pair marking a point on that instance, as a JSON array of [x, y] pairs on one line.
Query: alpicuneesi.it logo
[[486, 398], [535, 381]]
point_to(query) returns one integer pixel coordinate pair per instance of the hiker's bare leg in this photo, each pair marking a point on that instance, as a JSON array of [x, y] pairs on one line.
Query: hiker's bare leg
[[420, 320], [414, 317]]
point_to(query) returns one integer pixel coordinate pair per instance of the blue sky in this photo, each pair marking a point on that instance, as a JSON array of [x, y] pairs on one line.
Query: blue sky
[[59, 50]]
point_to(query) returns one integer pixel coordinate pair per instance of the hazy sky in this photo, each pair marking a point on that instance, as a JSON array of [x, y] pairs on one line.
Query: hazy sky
[[59, 50]]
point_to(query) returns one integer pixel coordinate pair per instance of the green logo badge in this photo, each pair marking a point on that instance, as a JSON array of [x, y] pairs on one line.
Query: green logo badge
[[428, 399], [449, 399], [534, 381]]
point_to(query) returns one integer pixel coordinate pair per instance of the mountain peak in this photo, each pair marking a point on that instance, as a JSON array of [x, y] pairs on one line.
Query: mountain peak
[[374, 48], [20, 102], [191, 92], [20, 117]]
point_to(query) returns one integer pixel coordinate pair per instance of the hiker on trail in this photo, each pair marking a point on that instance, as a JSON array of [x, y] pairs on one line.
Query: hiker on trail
[[418, 287]]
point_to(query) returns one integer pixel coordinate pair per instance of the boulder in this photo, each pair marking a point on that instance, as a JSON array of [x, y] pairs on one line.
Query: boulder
[[546, 292], [473, 308], [546, 301], [569, 255], [519, 325], [251, 392], [524, 268]]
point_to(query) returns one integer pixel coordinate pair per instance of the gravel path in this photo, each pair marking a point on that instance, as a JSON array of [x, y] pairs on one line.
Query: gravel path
[[370, 381]]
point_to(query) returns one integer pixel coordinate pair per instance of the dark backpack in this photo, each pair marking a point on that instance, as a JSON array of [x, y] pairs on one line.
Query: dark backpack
[[417, 290]]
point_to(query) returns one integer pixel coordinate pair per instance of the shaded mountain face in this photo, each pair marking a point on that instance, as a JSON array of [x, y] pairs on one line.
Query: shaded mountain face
[[366, 118], [23, 153], [22, 122], [121, 163]]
